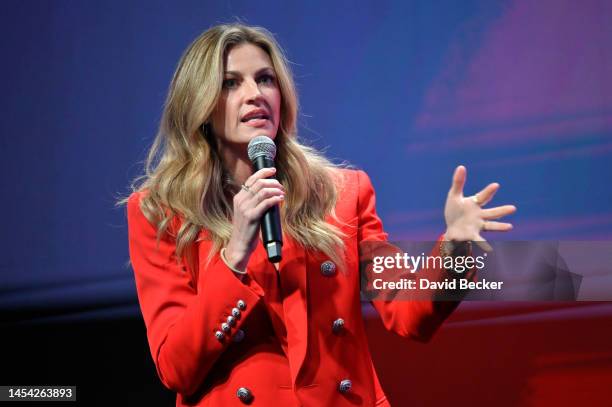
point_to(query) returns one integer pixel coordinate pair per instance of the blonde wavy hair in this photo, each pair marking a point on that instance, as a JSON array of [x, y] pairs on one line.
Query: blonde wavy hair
[[184, 176]]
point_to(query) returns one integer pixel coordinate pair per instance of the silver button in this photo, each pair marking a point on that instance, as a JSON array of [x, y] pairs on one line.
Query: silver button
[[219, 335], [338, 326], [231, 320], [345, 386], [328, 268], [244, 395], [235, 312], [241, 305], [238, 336], [226, 327]]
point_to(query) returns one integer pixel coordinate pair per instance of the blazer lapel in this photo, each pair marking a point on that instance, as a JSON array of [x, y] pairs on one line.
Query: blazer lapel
[[294, 294], [294, 285]]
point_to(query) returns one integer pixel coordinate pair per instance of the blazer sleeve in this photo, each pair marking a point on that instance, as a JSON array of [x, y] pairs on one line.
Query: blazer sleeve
[[416, 319], [182, 319]]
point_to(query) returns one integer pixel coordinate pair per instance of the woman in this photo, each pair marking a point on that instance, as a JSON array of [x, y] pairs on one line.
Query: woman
[[225, 326]]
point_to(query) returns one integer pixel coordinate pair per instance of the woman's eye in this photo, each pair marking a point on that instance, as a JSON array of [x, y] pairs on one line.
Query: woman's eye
[[266, 79], [229, 83]]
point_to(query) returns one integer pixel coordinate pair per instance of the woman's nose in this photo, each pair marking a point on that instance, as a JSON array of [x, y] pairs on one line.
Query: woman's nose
[[252, 91]]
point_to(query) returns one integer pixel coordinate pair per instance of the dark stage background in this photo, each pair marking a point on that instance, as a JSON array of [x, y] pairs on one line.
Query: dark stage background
[[518, 91]]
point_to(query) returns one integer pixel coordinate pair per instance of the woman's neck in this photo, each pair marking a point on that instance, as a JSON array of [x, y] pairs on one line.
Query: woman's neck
[[237, 165]]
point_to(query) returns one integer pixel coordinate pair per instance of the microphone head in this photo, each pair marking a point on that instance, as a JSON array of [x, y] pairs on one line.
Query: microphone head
[[262, 146]]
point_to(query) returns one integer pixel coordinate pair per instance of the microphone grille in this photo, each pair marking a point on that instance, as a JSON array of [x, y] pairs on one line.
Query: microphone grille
[[262, 145]]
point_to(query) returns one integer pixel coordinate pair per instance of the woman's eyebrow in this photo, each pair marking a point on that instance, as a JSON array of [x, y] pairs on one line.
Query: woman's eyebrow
[[262, 70]]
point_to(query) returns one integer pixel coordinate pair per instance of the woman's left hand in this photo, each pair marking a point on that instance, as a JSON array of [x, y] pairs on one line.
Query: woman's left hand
[[465, 216]]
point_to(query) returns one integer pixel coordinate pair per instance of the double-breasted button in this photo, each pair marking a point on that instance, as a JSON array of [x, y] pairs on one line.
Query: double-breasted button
[[235, 312], [231, 320], [338, 325], [226, 327], [328, 268], [241, 305], [219, 335], [244, 395], [238, 336], [345, 386]]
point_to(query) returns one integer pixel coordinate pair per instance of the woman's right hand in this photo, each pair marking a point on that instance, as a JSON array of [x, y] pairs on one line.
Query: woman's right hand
[[249, 207]]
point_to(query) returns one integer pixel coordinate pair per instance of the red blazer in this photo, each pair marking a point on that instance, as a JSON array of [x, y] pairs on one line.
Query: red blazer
[[298, 342]]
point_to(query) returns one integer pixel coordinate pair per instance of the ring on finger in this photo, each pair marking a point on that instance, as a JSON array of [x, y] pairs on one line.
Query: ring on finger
[[475, 199], [248, 189], [484, 225]]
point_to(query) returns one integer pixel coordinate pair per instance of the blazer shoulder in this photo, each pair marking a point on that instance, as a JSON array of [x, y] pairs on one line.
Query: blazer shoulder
[[349, 188], [138, 222], [136, 215], [134, 202], [345, 177], [352, 181]]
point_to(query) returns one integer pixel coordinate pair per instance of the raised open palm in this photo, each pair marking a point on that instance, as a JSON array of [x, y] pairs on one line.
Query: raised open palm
[[465, 216]]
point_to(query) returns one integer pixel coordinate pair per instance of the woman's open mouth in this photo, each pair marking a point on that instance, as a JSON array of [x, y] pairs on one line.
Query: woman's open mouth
[[257, 120]]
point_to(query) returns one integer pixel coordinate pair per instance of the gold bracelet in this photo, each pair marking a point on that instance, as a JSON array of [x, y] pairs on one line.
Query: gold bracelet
[[222, 254], [446, 252]]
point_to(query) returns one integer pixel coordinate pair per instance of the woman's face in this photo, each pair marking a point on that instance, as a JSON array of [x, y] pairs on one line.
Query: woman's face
[[249, 104]]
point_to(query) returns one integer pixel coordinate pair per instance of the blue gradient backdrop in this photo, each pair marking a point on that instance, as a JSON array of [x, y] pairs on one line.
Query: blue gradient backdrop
[[520, 92]]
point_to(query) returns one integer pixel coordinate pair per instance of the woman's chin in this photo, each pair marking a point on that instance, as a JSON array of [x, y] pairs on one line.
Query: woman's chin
[[259, 132], [256, 128]]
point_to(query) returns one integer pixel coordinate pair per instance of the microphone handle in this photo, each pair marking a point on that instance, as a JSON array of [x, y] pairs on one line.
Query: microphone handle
[[270, 222]]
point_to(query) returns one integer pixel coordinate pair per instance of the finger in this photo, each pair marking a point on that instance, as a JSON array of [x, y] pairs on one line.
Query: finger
[[263, 194], [262, 173], [266, 204], [266, 183], [498, 212], [497, 226], [483, 244], [487, 193], [262, 190], [459, 177]]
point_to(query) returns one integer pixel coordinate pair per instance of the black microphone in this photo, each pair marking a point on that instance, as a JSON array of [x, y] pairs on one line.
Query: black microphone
[[262, 152]]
